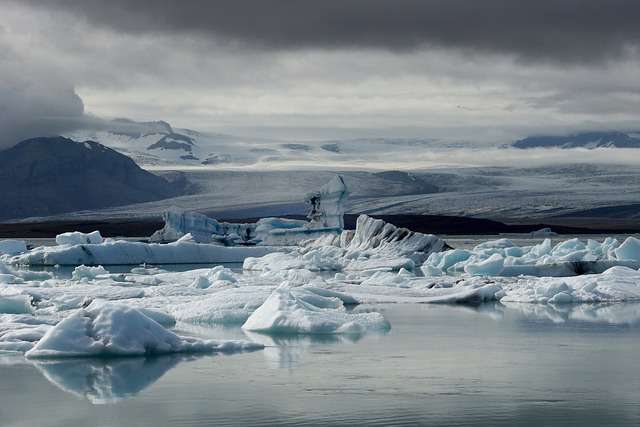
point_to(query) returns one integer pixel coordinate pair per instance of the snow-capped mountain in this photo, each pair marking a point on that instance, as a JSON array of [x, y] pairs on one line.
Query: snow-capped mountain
[[159, 145], [582, 140]]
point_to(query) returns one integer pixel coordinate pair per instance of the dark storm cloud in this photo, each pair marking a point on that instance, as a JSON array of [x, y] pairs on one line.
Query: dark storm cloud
[[557, 30], [34, 99]]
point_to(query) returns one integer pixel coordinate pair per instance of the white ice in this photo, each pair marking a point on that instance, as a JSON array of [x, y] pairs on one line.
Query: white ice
[[105, 329], [122, 252], [302, 311], [78, 238], [567, 258]]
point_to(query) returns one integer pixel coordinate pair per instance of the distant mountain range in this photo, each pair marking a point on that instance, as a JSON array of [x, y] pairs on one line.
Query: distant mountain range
[[588, 140], [46, 176], [160, 145]]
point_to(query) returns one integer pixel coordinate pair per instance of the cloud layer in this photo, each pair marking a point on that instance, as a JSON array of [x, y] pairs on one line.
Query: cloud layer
[[490, 70], [557, 30]]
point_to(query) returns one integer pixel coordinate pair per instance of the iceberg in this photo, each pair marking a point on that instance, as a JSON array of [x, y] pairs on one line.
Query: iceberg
[[12, 247], [122, 252], [178, 223], [78, 238], [327, 205], [325, 217], [543, 232], [302, 311], [106, 329], [567, 258], [374, 245], [617, 284], [82, 272]]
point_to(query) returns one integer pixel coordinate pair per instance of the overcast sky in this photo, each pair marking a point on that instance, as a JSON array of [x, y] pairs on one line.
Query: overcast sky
[[486, 70]]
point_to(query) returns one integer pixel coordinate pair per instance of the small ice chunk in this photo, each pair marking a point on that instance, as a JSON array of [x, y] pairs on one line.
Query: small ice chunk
[[543, 232], [82, 272], [217, 276]]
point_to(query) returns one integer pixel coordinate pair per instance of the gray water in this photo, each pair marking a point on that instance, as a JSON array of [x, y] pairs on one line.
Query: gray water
[[439, 365]]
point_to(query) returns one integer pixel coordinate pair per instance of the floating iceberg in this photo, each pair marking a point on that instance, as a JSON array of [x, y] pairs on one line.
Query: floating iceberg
[[78, 238], [617, 284], [121, 252], [374, 245], [327, 205], [326, 216], [302, 311], [82, 272], [105, 329], [503, 258], [178, 223], [543, 232]]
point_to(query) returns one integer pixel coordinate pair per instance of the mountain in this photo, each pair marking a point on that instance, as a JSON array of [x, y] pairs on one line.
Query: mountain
[[157, 143], [582, 140], [45, 176]]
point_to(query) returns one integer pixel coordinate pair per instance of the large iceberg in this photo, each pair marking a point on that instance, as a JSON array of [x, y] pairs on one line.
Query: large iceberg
[[122, 252], [504, 258], [178, 223], [374, 245], [327, 205], [325, 217], [104, 329]]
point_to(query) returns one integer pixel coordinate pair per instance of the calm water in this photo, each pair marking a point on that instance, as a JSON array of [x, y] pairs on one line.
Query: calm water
[[439, 365]]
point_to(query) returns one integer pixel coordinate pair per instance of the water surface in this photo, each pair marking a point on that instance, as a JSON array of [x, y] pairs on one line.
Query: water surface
[[522, 365]]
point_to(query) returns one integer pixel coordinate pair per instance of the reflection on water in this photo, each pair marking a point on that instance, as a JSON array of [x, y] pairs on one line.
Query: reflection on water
[[489, 365], [103, 381], [612, 314], [286, 351]]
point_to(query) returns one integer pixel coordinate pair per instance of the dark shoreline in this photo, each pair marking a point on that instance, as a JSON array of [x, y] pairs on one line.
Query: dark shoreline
[[434, 224]]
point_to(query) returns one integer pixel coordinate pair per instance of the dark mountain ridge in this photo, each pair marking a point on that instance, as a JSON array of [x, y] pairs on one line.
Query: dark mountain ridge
[[47, 176]]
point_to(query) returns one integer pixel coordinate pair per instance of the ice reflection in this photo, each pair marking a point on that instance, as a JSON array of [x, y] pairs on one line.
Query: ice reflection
[[611, 314], [103, 381], [285, 351]]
